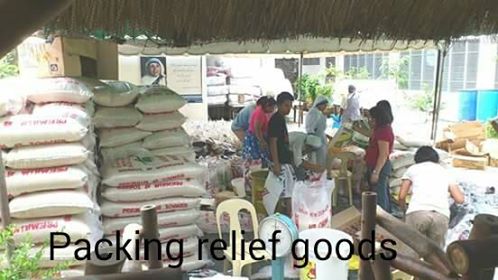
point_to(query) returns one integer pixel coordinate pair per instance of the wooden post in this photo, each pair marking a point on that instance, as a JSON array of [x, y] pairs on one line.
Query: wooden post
[[425, 247], [4, 204], [474, 256], [97, 266], [381, 267], [369, 203], [150, 233], [418, 268], [485, 225]]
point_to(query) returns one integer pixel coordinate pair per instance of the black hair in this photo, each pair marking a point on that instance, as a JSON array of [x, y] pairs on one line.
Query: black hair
[[261, 100], [385, 107], [426, 153], [351, 88], [270, 101], [284, 96]]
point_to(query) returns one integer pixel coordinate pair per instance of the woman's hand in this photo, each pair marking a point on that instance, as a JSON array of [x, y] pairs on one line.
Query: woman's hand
[[374, 178]]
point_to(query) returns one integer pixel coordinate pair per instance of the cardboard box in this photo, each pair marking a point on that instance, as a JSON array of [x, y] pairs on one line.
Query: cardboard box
[[63, 56], [478, 163], [349, 221]]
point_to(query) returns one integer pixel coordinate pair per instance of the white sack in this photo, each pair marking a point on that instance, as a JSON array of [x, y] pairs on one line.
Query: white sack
[[138, 170], [47, 156], [398, 173], [413, 143], [401, 159], [181, 188], [395, 182], [127, 150], [159, 99], [10, 103], [116, 94], [217, 90], [50, 204], [27, 130], [61, 89], [121, 136], [42, 179], [77, 227], [186, 152], [64, 110], [116, 117], [112, 209], [166, 219], [168, 233], [166, 139], [161, 121]]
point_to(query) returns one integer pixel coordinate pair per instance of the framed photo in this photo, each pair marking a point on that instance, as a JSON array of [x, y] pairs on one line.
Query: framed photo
[[153, 70]]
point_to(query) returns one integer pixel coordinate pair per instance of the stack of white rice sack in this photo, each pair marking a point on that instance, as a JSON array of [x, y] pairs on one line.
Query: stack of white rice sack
[[217, 89], [403, 157], [50, 171], [147, 159]]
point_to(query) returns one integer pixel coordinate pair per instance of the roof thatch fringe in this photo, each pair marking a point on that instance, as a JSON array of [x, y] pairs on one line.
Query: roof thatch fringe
[[202, 21]]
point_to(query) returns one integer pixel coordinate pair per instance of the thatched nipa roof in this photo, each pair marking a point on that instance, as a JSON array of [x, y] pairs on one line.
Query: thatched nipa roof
[[186, 22]]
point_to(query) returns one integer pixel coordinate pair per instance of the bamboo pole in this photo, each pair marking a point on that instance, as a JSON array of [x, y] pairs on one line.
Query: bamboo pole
[[474, 255], [381, 267], [150, 232], [418, 268], [426, 248], [369, 202], [4, 204]]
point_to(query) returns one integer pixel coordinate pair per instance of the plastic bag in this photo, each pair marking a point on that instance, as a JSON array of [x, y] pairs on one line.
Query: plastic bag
[[274, 186], [311, 203]]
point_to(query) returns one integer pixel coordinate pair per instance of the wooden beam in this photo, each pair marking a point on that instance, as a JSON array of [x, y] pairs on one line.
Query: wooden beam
[[369, 203], [381, 267], [21, 18], [426, 248], [474, 255], [418, 268]]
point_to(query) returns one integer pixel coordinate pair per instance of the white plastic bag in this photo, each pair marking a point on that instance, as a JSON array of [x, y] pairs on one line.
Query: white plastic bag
[[159, 99], [274, 187], [311, 203]]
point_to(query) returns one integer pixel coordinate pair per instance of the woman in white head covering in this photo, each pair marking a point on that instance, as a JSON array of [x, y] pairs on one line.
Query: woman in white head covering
[[316, 124]]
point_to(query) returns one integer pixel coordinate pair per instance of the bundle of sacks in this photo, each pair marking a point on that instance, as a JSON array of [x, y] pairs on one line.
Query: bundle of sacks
[[48, 153], [147, 159]]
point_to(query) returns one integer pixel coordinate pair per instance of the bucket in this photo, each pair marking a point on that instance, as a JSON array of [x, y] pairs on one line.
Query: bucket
[[467, 105], [332, 266], [258, 179], [487, 105]]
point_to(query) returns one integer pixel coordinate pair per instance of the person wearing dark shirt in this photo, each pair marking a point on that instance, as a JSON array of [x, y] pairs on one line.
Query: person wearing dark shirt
[[380, 146], [280, 153]]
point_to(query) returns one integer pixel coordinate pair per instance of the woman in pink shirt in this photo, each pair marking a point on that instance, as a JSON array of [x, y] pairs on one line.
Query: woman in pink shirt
[[381, 144], [255, 144]]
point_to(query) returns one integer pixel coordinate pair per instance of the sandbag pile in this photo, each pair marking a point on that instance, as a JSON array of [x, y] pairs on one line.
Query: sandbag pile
[[50, 171], [400, 161], [147, 159]]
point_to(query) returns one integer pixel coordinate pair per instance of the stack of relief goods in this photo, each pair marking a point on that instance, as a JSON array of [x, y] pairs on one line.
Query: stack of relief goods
[[217, 88], [50, 171], [244, 87], [147, 159], [403, 157]]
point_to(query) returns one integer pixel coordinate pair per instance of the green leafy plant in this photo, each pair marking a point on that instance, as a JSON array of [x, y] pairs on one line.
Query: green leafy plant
[[490, 131], [8, 65], [398, 71], [360, 73], [23, 264]]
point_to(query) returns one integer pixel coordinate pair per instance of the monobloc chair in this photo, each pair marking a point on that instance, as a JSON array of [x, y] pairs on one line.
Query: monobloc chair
[[343, 174], [232, 207]]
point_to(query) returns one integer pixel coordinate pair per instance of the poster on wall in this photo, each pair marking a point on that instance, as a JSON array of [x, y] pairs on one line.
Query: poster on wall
[[153, 70], [184, 76]]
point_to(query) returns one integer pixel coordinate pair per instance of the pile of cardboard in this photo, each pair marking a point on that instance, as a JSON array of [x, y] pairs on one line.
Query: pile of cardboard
[[468, 145]]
